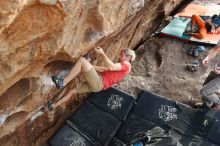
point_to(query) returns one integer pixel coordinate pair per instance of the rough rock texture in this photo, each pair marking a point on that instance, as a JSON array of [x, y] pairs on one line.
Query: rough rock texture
[[42, 38]]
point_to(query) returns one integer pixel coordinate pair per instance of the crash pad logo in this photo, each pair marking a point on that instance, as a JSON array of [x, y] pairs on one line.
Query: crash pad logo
[[167, 113], [114, 102], [76, 140]]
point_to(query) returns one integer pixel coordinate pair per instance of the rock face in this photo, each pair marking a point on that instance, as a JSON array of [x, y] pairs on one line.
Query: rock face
[[40, 38]]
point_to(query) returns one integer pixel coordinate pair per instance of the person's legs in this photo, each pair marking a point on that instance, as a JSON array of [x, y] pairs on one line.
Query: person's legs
[[193, 21], [201, 24], [93, 83], [65, 98], [81, 64], [197, 20], [210, 92], [212, 75], [84, 87]]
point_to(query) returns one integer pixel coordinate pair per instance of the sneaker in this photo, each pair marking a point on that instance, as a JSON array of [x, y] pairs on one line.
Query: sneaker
[[195, 53], [201, 49], [193, 65], [58, 82]]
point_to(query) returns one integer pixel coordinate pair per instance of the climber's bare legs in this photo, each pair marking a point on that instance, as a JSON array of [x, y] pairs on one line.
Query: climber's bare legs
[[81, 65], [66, 98]]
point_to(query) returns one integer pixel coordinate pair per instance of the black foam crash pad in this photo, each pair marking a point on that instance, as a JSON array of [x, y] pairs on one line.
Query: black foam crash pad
[[67, 136], [133, 127], [214, 133], [156, 108], [114, 101], [193, 122], [99, 122], [169, 114], [96, 123]]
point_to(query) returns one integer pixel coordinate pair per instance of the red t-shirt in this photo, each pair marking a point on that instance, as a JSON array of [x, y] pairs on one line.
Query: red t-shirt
[[112, 77]]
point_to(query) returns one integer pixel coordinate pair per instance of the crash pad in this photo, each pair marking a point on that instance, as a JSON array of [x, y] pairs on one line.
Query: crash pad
[[134, 127], [113, 101], [214, 133], [156, 108], [197, 124], [208, 39], [67, 136], [96, 123], [177, 27], [93, 125]]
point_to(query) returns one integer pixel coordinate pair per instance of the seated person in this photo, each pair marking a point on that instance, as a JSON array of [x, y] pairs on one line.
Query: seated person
[[210, 25]]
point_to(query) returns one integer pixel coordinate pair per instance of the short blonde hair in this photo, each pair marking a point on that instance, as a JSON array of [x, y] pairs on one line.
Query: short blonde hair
[[131, 53]]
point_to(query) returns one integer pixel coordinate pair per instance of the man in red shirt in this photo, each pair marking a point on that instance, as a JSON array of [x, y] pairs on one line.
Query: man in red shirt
[[110, 74]]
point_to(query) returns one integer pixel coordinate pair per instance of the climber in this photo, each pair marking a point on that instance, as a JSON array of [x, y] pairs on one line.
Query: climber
[[210, 25], [211, 89], [108, 75]]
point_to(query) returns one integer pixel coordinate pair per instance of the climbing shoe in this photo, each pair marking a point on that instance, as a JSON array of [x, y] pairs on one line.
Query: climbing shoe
[[193, 65], [50, 105], [58, 82]]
